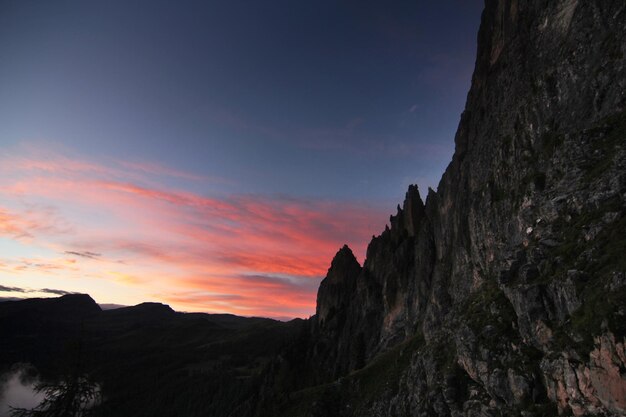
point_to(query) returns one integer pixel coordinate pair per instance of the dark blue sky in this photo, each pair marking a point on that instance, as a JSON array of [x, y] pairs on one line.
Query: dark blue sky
[[331, 99], [214, 155]]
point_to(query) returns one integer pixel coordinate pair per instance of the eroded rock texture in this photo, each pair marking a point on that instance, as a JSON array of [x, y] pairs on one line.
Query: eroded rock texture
[[508, 282]]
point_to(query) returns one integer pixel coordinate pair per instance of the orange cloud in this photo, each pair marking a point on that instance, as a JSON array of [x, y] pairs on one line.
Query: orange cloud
[[257, 296], [13, 226]]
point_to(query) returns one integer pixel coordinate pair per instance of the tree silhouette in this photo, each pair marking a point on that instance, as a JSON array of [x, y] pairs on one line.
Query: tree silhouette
[[74, 394], [70, 397]]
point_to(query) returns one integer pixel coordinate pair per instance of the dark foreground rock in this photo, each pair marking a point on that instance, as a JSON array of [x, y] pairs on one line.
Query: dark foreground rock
[[503, 293]]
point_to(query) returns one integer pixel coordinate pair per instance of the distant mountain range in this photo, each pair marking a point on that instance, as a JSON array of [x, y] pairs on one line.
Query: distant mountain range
[[148, 358]]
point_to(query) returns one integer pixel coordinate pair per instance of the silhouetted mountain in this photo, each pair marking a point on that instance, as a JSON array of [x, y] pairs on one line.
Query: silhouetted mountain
[[149, 359], [66, 307]]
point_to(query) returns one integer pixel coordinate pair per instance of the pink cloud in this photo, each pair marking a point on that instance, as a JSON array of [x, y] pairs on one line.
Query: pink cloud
[[14, 226], [39, 265], [24, 225], [245, 254]]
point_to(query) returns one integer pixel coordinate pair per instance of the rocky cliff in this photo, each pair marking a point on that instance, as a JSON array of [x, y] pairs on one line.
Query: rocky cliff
[[504, 293]]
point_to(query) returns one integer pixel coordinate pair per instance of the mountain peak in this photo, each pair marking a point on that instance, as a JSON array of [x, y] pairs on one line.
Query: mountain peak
[[409, 217], [344, 257], [336, 290], [73, 306]]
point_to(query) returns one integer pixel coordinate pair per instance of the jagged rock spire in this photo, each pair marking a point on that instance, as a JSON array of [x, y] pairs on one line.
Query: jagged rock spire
[[337, 289], [409, 217]]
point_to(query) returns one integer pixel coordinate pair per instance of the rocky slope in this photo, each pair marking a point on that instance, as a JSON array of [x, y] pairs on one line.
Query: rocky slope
[[504, 293]]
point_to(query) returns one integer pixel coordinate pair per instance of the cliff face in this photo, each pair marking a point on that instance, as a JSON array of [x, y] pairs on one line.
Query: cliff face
[[511, 275]]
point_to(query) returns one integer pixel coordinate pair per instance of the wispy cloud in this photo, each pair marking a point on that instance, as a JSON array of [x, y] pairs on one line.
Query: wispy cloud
[[358, 141], [84, 254], [11, 289], [159, 170], [53, 291], [49, 265], [30, 290], [30, 221], [249, 254], [14, 226], [353, 136], [269, 296]]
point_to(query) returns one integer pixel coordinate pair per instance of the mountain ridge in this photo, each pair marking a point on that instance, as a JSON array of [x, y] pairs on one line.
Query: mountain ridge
[[509, 272]]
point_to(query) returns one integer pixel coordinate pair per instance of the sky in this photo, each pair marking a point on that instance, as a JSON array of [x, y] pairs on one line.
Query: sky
[[214, 155]]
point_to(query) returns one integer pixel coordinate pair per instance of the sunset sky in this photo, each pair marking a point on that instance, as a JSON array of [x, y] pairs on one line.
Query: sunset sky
[[214, 155]]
